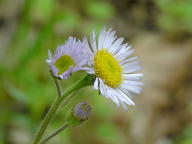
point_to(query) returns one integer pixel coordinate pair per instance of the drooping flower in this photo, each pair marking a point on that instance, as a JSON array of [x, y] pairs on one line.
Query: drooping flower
[[114, 68], [68, 58]]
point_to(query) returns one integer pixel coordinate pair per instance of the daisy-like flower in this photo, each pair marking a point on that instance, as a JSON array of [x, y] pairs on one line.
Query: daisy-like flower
[[68, 58], [114, 68]]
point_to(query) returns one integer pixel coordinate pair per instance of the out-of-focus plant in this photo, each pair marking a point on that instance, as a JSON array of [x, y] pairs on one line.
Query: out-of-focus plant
[[175, 15], [186, 137]]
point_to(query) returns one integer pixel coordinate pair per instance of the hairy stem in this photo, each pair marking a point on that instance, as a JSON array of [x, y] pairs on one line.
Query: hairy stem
[[57, 86], [54, 133], [86, 80]]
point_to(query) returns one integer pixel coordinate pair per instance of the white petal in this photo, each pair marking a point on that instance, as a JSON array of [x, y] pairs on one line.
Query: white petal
[[49, 61], [125, 97], [130, 64], [131, 78], [101, 88], [131, 88], [89, 70], [101, 39], [128, 60], [134, 75], [93, 41], [136, 83], [85, 41], [116, 45], [109, 39], [123, 54], [49, 54], [132, 69], [96, 84], [124, 106], [114, 99]]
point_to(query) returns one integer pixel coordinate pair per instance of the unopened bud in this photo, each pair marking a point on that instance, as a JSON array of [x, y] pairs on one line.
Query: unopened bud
[[78, 114]]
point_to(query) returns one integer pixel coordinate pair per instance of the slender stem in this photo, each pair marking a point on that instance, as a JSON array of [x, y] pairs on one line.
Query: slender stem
[[54, 133], [57, 85], [87, 80], [67, 99], [46, 120]]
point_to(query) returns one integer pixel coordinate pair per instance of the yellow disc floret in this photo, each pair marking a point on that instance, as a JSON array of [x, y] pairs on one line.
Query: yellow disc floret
[[107, 68], [63, 63]]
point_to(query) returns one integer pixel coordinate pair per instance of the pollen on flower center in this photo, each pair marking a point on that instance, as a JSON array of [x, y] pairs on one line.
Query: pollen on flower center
[[107, 68], [63, 63]]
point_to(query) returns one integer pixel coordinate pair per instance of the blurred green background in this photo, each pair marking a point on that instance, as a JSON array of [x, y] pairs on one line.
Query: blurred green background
[[159, 30]]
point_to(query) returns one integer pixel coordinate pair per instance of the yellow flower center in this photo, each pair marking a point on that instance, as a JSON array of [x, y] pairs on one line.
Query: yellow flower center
[[107, 68], [63, 63]]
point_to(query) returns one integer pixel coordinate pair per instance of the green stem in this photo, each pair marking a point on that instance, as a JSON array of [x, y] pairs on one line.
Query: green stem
[[57, 85], [54, 133], [86, 80], [67, 99]]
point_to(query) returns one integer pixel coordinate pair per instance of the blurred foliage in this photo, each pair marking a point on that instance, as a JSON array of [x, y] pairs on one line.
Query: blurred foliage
[[186, 137], [176, 15], [104, 12], [28, 28]]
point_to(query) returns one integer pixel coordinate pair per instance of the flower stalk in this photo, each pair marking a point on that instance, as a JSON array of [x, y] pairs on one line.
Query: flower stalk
[[57, 85], [85, 81], [74, 117], [54, 133]]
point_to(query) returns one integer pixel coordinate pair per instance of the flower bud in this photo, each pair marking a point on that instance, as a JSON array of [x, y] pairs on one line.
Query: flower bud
[[78, 114]]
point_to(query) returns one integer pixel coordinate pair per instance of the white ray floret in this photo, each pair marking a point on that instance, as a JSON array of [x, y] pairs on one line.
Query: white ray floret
[[115, 70]]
